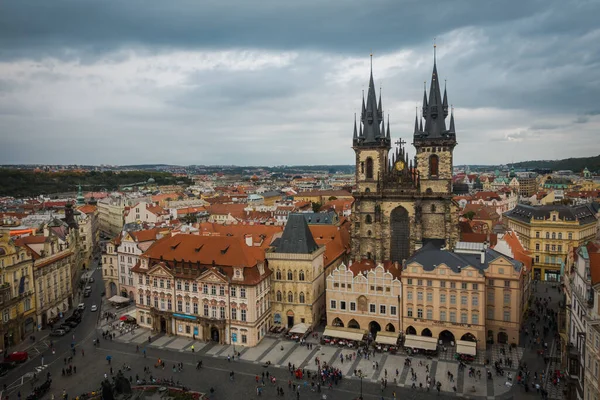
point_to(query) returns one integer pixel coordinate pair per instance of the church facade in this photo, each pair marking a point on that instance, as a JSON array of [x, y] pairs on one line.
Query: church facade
[[403, 203]]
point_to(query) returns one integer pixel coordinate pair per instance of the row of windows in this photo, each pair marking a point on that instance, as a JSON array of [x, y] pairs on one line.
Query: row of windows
[[464, 317], [291, 276], [374, 288], [372, 307], [166, 283], [452, 285], [292, 297], [554, 235], [554, 247], [209, 311]]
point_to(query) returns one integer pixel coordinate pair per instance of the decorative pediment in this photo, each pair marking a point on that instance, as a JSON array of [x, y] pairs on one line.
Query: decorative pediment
[[212, 276], [160, 271]]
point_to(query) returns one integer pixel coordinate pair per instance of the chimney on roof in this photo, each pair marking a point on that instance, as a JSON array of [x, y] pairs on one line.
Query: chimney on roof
[[483, 254], [248, 238], [396, 264]]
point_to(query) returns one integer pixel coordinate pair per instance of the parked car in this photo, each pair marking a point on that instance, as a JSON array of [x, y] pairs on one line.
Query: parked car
[[58, 332], [91, 280], [72, 323], [81, 306], [88, 289], [66, 327], [17, 356], [94, 308], [86, 294]]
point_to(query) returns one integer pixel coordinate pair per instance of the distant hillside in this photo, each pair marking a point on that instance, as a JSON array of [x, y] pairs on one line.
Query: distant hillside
[[574, 164]]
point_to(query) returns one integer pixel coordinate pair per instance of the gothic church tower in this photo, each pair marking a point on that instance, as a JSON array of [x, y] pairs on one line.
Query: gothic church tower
[[401, 203]]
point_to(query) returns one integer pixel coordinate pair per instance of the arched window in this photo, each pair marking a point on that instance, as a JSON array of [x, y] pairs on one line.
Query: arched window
[[278, 275], [301, 275], [279, 297], [290, 297], [369, 233], [362, 167], [302, 297], [434, 162], [560, 235], [368, 219], [433, 208], [553, 235], [367, 190], [369, 168], [290, 276]]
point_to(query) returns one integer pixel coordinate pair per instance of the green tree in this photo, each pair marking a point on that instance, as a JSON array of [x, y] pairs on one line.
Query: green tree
[[316, 207], [469, 215], [332, 198]]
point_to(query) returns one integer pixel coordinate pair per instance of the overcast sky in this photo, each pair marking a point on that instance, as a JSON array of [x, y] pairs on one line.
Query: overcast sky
[[273, 82]]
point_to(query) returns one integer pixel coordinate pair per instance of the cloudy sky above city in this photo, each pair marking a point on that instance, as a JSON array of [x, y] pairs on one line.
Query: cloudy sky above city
[[275, 82]]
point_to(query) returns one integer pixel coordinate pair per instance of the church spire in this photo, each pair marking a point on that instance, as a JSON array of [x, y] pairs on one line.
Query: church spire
[[416, 122], [424, 108], [388, 129], [452, 129], [372, 122], [445, 101], [355, 137], [436, 109]]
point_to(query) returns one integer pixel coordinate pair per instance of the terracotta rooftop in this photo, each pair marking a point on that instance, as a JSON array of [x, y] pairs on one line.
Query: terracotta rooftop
[[366, 265]]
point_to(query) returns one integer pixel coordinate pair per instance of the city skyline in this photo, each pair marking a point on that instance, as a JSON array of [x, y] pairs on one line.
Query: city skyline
[[271, 84]]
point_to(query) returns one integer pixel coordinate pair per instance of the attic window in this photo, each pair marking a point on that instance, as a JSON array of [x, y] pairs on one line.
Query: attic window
[[225, 250], [197, 249], [174, 246]]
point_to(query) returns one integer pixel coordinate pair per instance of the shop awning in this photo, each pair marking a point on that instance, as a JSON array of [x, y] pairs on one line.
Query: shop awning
[[387, 338], [420, 342], [118, 299], [466, 347], [344, 333], [299, 328]]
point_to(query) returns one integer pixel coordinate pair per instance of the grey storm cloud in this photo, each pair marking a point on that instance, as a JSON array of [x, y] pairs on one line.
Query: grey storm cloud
[[273, 82]]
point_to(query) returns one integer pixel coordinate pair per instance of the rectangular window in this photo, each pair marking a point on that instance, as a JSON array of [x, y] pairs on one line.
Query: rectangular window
[[475, 301], [244, 338], [243, 315], [179, 306], [452, 316], [475, 319], [420, 282], [342, 305], [393, 310], [213, 311], [187, 307], [221, 290], [559, 248], [491, 282], [162, 283], [222, 312], [382, 309], [419, 313], [463, 286], [507, 316], [194, 287], [443, 284], [475, 286], [506, 299], [443, 298], [195, 308], [429, 283], [419, 296], [429, 313], [213, 290], [233, 291], [409, 281], [442, 315], [234, 313], [409, 311], [463, 300], [147, 280], [139, 278], [506, 284], [464, 318], [243, 293], [372, 308], [452, 299], [156, 302], [490, 312], [409, 296], [452, 285], [352, 306], [169, 305], [429, 297], [333, 305]]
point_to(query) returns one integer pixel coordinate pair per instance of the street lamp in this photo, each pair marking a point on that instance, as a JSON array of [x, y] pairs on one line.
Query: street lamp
[[361, 375]]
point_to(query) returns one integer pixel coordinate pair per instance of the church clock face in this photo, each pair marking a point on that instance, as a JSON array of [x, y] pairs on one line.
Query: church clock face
[[399, 165]]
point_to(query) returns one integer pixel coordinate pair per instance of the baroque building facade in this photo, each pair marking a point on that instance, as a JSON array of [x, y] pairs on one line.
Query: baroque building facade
[[401, 203]]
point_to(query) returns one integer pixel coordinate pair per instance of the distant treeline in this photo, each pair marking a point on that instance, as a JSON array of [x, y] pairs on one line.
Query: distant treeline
[[574, 164], [25, 183]]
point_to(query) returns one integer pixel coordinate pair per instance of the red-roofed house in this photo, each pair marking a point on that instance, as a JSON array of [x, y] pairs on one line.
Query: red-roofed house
[[146, 212]]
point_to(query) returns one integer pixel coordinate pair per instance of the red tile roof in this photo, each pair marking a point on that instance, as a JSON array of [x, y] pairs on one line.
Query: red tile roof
[[88, 209], [367, 265], [519, 252]]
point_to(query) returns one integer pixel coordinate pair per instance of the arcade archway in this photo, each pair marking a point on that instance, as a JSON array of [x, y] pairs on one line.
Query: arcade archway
[[446, 336], [427, 332], [411, 330], [353, 324]]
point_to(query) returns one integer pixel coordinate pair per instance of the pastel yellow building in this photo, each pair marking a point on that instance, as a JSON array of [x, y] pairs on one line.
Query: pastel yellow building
[[548, 231], [472, 294], [17, 299]]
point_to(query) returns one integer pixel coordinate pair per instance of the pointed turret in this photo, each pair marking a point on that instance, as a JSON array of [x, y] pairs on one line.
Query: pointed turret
[[424, 108], [421, 124], [416, 122], [379, 107], [372, 124], [355, 137], [445, 102], [389, 138], [80, 197], [452, 130], [364, 109]]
